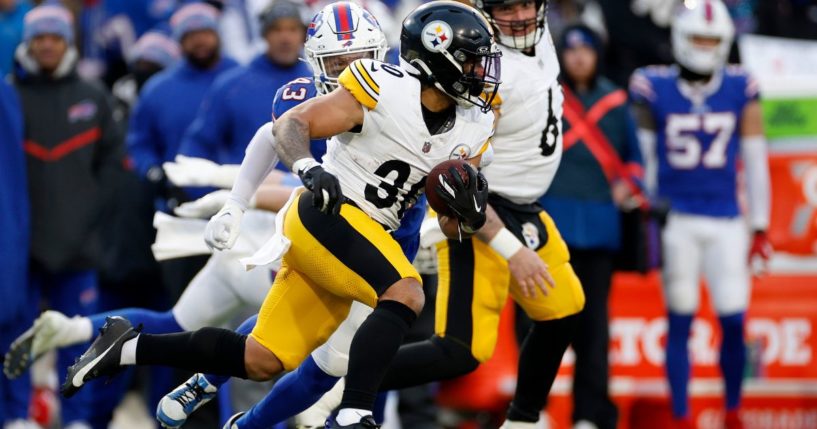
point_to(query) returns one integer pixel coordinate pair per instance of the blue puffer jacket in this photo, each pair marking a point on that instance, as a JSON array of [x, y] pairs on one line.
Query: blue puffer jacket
[[14, 213], [238, 103]]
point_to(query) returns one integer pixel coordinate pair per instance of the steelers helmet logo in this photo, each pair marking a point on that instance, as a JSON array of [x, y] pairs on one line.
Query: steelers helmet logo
[[437, 36]]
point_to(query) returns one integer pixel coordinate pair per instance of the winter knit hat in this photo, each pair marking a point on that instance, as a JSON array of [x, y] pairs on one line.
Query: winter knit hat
[[282, 9], [194, 17], [155, 47], [48, 19]]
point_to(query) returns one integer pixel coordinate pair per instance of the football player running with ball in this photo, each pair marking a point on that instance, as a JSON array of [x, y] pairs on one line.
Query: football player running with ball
[[696, 119], [392, 125]]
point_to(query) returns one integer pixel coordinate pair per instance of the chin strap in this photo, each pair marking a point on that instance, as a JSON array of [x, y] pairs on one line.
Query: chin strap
[[691, 76]]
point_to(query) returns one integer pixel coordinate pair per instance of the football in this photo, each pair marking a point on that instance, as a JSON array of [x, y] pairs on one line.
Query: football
[[434, 179]]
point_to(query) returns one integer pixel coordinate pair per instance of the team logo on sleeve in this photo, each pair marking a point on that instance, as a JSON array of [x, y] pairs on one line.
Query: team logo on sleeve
[[437, 36]]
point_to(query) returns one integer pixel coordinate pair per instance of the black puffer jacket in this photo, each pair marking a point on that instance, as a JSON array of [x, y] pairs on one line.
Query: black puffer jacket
[[74, 154]]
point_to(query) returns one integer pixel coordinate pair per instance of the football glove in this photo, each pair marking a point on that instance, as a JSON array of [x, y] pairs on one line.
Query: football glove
[[190, 171], [761, 247], [326, 193], [223, 229], [467, 201]]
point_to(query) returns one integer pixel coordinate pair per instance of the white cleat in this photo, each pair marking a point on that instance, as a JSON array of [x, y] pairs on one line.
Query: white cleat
[[175, 407], [52, 330]]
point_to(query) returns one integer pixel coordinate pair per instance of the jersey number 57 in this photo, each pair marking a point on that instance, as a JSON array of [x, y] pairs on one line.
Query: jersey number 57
[[685, 150]]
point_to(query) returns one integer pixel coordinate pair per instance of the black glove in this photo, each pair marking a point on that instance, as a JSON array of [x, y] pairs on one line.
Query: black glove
[[325, 187], [468, 201], [164, 189]]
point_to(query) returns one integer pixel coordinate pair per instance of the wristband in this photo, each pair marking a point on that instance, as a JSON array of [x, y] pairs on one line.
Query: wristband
[[304, 164], [505, 243]]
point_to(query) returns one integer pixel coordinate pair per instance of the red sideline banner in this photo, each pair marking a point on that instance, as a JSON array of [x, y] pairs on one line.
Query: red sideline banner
[[781, 377], [794, 203]]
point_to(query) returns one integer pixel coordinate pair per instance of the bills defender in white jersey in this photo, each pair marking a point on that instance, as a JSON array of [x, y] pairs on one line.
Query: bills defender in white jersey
[[697, 119], [334, 237]]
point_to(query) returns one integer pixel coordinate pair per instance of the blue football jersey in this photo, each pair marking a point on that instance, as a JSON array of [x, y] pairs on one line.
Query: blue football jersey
[[291, 95], [698, 136], [302, 89]]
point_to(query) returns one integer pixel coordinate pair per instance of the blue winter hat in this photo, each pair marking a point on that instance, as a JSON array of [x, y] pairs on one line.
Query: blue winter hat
[[155, 47], [575, 36], [48, 19], [194, 17]]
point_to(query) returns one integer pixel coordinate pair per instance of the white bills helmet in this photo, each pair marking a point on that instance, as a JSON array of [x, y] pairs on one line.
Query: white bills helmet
[[341, 31], [702, 19]]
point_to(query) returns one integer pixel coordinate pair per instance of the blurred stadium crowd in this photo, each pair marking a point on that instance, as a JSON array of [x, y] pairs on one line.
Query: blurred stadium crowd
[[161, 78]]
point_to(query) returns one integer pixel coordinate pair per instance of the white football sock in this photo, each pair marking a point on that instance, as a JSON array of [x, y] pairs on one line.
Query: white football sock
[[350, 416], [128, 356], [84, 328]]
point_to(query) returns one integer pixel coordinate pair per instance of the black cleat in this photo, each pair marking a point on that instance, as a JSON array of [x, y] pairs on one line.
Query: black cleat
[[102, 358], [366, 422], [18, 359]]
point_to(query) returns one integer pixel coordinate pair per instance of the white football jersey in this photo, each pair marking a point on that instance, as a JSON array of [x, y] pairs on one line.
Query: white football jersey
[[528, 139], [383, 167]]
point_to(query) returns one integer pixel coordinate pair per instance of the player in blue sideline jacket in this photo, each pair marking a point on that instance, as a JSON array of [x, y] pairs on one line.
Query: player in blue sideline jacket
[[696, 119], [240, 100], [14, 219], [169, 101]]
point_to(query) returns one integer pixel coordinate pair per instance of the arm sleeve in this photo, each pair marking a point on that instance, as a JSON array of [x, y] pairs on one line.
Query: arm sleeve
[[647, 141], [142, 139], [209, 130], [259, 161], [755, 160], [632, 152]]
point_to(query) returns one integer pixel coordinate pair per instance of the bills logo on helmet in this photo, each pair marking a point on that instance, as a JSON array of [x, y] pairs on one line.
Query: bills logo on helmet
[[369, 17], [437, 36], [315, 25]]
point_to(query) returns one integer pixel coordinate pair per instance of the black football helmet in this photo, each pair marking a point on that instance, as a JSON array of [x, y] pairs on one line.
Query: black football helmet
[[451, 46], [521, 36]]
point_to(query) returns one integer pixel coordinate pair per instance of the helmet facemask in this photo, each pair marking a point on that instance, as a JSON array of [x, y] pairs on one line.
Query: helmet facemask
[[515, 33], [479, 81], [327, 66]]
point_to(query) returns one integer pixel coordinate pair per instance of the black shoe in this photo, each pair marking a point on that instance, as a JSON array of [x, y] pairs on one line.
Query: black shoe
[[18, 359], [366, 422], [102, 358]]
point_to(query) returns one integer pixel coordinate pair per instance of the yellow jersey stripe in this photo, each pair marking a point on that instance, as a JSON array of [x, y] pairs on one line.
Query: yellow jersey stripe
[[367, 77], [355, 85], [365, 85]]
